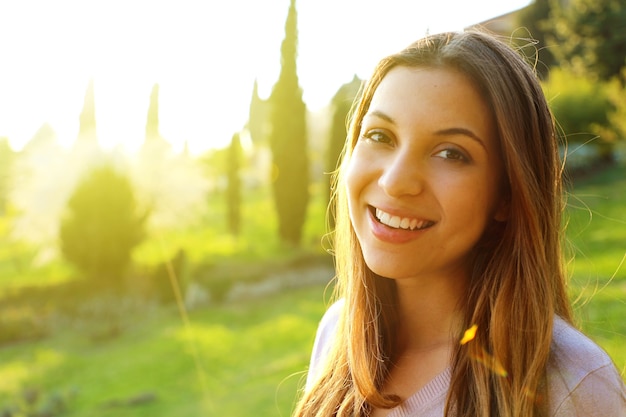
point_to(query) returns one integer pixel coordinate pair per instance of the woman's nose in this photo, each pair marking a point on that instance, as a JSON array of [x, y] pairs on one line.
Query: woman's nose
[[402, 176]]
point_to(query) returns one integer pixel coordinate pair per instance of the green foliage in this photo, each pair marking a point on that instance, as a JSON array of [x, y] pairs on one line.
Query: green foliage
[[160, 280], [616, 92], [590, 35], [534, 19], [233, 190], [257, 117], [581, 107], [215, 163], [152, 121], [87, 126], [288, 140], [341, 104], [102, 225], [209, 240], [20, 324]]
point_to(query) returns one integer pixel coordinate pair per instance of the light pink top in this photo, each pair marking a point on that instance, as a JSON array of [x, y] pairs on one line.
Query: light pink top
[[582, 379]]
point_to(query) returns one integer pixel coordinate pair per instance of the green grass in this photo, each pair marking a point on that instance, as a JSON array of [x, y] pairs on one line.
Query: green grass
[[230, 361], [597, 225], [597, 237], [211, 240]]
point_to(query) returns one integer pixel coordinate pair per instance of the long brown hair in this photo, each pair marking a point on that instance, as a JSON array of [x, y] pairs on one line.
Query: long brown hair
[[517, 283]]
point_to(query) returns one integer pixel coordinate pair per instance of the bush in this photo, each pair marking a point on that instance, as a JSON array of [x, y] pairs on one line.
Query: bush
[[102, 226], [20, 323], [33, 402], [161, 282], [581, 107], [616, 91], [101, 318]]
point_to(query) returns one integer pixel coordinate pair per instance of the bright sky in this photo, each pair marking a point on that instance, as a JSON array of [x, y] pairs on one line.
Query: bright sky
[[205, 55]]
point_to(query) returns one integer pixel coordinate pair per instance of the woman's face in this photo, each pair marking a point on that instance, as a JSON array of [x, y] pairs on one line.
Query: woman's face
[[424, 177]]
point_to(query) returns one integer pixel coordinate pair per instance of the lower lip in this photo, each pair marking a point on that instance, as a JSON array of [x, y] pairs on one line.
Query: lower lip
[[391, 235]]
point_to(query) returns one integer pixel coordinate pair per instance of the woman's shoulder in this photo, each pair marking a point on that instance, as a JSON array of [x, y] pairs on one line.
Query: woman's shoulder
[[582, 378], [331, 316], [324, 339], [328, 325], [575, 351]]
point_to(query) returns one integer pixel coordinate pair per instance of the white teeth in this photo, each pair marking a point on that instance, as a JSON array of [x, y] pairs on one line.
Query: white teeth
[[401, 222], [395, 222], [382, 216]]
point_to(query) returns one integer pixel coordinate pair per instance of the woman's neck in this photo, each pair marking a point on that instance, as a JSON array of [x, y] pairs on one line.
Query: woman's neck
[[429, 312]]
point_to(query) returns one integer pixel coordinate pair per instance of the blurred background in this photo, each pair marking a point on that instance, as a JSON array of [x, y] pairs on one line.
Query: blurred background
[[164, 178]]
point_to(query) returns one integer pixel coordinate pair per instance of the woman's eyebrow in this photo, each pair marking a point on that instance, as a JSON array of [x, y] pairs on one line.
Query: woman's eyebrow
[[452, 131], [461, 131], [381, 115]]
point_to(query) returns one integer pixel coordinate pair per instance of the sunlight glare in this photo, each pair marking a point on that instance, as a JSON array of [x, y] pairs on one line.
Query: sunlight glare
[[204, 55]]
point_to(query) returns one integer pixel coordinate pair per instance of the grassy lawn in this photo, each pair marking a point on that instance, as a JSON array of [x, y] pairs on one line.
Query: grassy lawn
[[597, 240], [243, 359], [229, 361]]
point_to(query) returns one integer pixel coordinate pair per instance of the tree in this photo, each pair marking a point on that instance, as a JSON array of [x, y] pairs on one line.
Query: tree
[[617, 117], [102, 225], [87, 125], [341, 104], [233, 190], [535, 19], [288, 141], [581, 107], [152, 120], [592, 36], [615, 130], [171, 184], [257, 117], [7, 157]]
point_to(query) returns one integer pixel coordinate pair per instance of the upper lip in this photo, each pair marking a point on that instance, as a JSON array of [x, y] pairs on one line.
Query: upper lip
[[397, 220]]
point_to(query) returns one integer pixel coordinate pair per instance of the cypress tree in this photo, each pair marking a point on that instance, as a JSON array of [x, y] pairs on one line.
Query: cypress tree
[[233, 191], [257, 117], [87, 125], [7, 157], [341, 104], [152, 120], [288, 142]]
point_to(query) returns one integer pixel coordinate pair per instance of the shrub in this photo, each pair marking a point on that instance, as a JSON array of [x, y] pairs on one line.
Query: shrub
[[20, 323], [161, 281], [102, 225], [33, 402], [581, 107], [101, 318], [616, 92]]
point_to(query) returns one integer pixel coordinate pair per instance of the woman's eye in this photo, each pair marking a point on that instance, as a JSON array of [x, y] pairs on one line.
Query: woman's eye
[[377, 136], [452, 154]]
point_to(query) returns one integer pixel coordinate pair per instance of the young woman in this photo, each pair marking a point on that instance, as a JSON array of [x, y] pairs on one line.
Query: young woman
[[451, 295]]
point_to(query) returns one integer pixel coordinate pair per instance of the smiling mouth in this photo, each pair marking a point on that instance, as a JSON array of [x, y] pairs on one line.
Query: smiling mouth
[[397, 222]]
